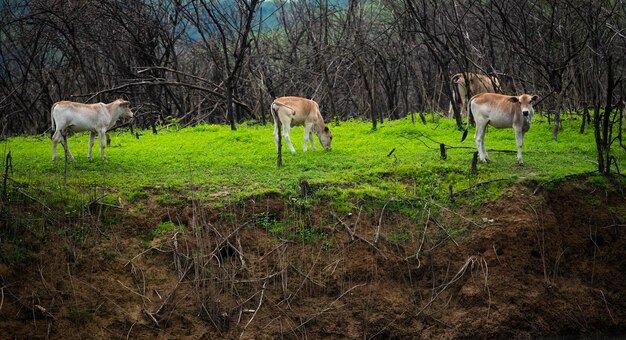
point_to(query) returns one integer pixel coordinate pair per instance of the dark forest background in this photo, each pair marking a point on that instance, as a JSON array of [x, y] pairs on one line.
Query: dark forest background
[[224, 61]]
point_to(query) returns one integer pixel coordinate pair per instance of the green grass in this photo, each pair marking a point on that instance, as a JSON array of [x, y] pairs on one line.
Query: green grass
[[219, 163]]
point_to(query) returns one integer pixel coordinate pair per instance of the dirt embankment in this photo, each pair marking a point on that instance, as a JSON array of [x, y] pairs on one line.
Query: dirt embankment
[[549, 263]]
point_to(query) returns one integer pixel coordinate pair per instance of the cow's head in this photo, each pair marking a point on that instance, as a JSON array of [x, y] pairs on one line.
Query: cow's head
[[123, 108], [325, 137], [526, 104]]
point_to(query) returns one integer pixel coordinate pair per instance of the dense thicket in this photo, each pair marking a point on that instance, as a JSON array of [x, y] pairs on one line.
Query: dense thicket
[[224, 61]]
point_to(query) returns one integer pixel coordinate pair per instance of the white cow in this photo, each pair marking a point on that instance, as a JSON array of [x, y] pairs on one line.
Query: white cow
[[478, 83], [501, 111], [95, 118], [294, 111]]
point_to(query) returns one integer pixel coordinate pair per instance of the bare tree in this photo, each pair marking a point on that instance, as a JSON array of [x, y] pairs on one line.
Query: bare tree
[[233, 24], [547, 37], [220, 62]]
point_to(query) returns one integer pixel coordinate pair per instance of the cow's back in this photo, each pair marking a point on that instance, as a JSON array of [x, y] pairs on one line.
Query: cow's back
[[481, 83], [494, 108], [304, 109], [77, 116]]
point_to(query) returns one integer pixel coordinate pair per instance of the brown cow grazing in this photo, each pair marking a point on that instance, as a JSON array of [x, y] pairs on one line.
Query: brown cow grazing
[[294, 111], [479, 83], [95, 118], [501, 111]]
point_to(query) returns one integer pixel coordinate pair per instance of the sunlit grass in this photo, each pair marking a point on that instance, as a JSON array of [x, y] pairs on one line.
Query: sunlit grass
[[218, 162]]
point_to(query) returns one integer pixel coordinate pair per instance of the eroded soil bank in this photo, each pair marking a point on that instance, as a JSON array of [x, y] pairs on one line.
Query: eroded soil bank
[[544, 263]]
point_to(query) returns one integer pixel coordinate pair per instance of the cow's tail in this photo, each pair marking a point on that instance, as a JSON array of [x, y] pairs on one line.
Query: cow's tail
[[470, 117], [274, 111], [52, 118]]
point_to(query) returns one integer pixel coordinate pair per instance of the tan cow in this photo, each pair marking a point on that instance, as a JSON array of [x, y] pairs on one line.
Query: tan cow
[[95, 118], [479, 83], [501, 111], [294, 111]]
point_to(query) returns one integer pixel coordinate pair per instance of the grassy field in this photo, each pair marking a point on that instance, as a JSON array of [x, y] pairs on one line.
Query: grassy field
[[222, 164]]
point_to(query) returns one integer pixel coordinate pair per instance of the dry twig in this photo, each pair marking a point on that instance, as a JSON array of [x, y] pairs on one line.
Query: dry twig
[[257, 309], [329, 306], [380, 221]]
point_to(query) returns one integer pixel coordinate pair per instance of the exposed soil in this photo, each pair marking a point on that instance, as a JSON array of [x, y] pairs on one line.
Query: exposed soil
[[550, 263]]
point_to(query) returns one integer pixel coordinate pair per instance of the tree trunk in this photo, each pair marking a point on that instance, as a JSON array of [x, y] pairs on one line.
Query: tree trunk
[[229, 105], [557, 115]]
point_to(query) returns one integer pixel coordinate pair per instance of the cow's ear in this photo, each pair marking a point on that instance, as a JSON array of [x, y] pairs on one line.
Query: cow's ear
[[534, 99], [513, 99], [125, 103]]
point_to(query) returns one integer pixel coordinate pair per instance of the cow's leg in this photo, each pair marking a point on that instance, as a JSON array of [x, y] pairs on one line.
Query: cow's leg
[[308, 136], [102, 135], [92, 137], [66, 147], [312, 139], [55, 140], [479, 137], [286, 131], [285, 121], [519, 139]]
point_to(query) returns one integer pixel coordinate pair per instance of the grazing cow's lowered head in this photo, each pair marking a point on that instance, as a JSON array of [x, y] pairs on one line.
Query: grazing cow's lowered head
[[95, 118], [292, 111], [501, 111], [325, 137]]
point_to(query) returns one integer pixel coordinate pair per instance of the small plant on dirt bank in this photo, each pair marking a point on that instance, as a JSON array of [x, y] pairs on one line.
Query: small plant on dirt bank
[[164, 228], [399, 237]]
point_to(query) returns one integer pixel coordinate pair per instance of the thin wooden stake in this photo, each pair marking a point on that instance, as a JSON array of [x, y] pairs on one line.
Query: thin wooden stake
[[475, 162]]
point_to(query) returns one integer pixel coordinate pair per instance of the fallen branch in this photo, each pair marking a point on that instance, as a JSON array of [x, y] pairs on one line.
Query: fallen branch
[[606, 304], [354, 236], [459, 274], [454, 212], [329, 306], [134, 292], [614, 226], [380, 221], [256, 310], [151, 317], [417, 254], [447, 233], [171, 294], [478, 185]]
